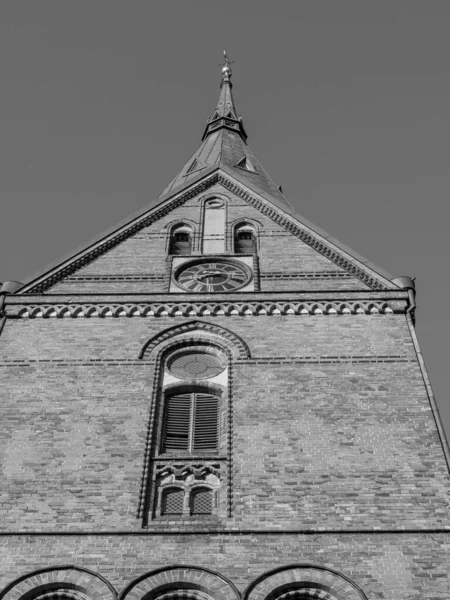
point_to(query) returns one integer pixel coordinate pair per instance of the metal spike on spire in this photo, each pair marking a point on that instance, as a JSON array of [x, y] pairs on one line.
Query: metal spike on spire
[[225, 115], [224, 147], [226, 67]]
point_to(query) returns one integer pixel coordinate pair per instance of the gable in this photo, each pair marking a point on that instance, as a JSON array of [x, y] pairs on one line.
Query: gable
[[286, 263], [291, 255], [138, 264]]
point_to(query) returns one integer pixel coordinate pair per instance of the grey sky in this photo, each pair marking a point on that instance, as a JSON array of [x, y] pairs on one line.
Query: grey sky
[[346, 104]]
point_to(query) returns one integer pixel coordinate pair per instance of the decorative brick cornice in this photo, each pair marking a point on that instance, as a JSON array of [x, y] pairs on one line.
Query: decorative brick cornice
[[203, 309], [305, 275], [114, 278]]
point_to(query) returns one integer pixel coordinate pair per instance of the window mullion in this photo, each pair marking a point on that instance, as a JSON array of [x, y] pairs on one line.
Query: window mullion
[[192, 424]]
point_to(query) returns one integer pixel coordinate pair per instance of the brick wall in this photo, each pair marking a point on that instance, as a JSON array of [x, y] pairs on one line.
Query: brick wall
[[331, 428], [141, 263], [349, 442], [391, 567]]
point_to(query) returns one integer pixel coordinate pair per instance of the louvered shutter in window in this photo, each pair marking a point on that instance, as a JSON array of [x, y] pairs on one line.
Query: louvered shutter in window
[[206, 424], [177, 423], [191, 423], [172, 502]]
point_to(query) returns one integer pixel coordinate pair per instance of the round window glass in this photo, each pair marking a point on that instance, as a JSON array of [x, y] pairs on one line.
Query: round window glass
[[195, 365]]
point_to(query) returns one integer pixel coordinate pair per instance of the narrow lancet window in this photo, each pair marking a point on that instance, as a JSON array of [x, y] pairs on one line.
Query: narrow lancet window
[[190, 453], [214, 227]]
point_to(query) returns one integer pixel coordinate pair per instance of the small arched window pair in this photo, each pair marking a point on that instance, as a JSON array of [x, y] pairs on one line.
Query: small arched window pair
[[181, 240], [178, 501], [244, 239]]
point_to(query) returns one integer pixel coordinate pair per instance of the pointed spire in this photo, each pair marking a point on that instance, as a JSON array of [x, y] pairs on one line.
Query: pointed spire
[[225, 115], [224, 147]]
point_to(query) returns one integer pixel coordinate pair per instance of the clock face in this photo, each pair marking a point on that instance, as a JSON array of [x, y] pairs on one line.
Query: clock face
[[212, 276]]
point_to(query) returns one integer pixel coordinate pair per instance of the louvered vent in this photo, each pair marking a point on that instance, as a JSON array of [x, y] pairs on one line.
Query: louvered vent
[[202, 502], [172, 502], [244, 163], [191, 423], [194, 166]]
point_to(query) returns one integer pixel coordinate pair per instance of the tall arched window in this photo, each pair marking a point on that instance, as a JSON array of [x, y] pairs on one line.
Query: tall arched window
[[180, 240], [214, 219], [191, 436], [244, 239]]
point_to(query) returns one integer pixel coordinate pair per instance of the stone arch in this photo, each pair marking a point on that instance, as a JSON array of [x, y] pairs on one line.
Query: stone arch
[[211, 196], [194, 582], [237, 345], [247, 220], [180, 226], [179, 222], [59, 582], [303, 581]]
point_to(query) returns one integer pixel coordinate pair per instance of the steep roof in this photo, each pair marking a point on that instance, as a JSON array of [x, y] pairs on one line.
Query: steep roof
[[224, 146], [224, 157]]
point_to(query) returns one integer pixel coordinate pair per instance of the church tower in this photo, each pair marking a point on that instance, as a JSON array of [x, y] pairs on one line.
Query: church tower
[[219, 401]]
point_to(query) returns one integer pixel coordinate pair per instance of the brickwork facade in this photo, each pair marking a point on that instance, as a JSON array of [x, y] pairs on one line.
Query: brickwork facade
[[330, 479], [141, 263]]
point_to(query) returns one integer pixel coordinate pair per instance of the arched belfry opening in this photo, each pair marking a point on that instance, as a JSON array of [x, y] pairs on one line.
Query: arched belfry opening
[[244, 238], [181, 239]]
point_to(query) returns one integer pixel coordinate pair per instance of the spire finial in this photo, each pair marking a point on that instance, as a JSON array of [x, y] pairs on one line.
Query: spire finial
[[225, 116], [226, 68]]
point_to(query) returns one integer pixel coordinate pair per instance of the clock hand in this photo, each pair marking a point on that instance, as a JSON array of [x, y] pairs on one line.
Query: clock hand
[[237, 275], [207, 274]]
